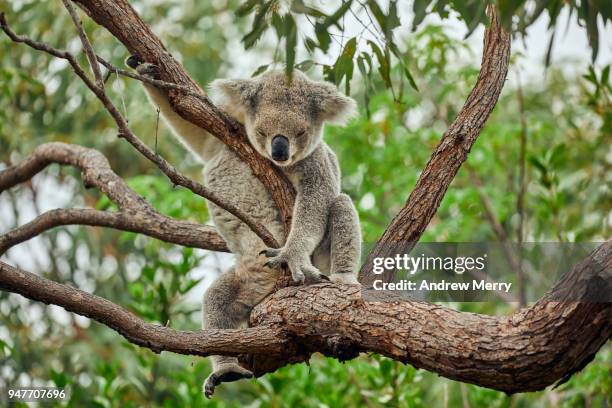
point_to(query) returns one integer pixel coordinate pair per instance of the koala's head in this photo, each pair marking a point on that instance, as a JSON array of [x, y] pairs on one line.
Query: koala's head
[[283, 118]]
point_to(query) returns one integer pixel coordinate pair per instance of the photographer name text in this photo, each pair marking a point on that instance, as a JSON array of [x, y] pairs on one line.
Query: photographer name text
[[424, 285]]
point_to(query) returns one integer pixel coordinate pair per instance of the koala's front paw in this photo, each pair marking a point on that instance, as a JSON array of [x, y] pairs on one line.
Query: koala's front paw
[[143, 68], [301, 268]]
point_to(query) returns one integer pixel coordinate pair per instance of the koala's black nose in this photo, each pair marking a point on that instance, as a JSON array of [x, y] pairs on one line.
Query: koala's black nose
[[280, 148]]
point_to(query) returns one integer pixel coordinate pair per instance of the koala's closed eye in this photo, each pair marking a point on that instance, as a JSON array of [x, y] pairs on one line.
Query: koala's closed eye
[[261, 133], [301, 133]]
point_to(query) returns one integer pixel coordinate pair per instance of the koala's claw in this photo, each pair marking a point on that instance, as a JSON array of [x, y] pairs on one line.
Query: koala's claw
[[278, 258], [300, 267], [270, 253], [133, 61], [274, 263], [148, 70], [143, 68]]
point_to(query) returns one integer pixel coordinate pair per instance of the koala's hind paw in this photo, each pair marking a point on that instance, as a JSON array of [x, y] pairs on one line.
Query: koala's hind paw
[[224, 374], [313, 274]]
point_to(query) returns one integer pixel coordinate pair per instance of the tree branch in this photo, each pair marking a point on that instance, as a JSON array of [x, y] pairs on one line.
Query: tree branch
[[410, 223], [527, 351], [123, 22], [135, 214], [124, 131], [151, 224], [89, 52], [158, 338]]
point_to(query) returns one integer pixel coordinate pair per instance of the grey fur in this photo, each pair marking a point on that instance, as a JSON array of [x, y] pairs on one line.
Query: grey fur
[[325, 235]]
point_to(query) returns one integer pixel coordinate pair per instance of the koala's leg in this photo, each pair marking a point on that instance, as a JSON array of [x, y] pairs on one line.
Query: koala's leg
[[345, 240], [222, 310], [197, 140]]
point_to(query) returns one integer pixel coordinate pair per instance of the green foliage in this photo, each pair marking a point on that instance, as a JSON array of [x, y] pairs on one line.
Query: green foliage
[[568, 197], [378, 24]]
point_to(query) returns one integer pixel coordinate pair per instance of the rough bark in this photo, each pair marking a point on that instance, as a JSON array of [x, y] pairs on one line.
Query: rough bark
[[410, 223], [527, 351]]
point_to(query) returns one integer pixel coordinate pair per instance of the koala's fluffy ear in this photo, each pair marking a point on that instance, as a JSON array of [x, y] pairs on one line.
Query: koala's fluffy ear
[[233, 96], [334, 107]]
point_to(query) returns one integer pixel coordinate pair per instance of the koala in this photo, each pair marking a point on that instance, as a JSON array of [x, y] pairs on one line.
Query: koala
[[284, 121]]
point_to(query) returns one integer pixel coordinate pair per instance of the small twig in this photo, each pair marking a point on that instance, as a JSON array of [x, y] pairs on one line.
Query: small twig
[[520, 198], [89, 51], [498, 229], [156, 129]]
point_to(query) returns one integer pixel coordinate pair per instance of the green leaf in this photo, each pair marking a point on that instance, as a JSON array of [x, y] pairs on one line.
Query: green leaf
[[259, 25], [605, 75], [290, 43], [305, 65], [299, 7], [335, 17], [260, 70], [343, 67], [400, 57], [322, 36], [384, 67], [419, 8], [247, 7]]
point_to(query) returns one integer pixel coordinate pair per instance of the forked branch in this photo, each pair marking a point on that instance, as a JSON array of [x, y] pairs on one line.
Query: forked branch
[[135, 214]]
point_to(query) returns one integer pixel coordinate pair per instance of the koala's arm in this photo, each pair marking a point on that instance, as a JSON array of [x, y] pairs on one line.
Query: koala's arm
[[195, 139], [317, 185]]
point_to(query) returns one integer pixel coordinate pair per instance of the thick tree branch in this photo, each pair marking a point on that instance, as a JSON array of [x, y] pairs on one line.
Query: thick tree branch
[[527, 351], [410, 223], [123, 22], [135, 213], [268, 341]]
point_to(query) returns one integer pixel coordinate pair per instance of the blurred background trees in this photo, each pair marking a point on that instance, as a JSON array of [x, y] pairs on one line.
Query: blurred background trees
[[564, 118]]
